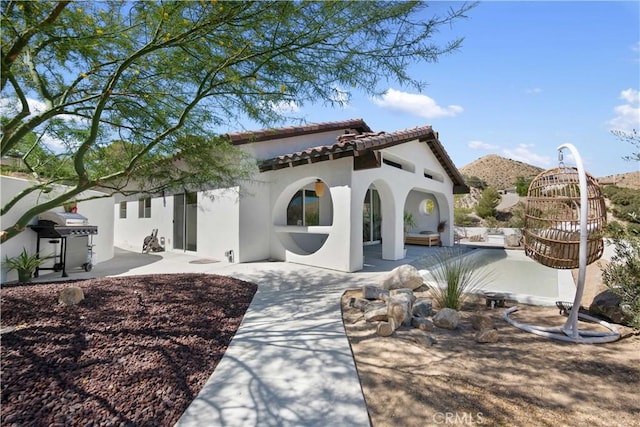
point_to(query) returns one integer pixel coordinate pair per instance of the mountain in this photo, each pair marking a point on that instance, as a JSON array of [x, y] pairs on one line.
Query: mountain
[[498, 171]]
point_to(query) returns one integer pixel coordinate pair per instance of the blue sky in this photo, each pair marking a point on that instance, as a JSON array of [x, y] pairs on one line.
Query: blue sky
[[529, 77]]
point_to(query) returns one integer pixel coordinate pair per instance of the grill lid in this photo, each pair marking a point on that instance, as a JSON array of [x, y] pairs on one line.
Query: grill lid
[[66, 219]]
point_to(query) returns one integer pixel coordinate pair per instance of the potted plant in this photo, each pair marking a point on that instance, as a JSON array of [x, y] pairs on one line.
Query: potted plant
[[441, 226], [24, 264], [409, 222]]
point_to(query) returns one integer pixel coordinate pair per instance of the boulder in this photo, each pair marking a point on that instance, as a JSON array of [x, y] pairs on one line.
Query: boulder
[[422, 323], [359, 303], [404, 292], [607, 304], [512, 240], [422, 308], [399, 309], [71, 295], [385, 329], [487, 336], [374, 292], [404, 276], [375, 312], [481, 321], [446, 318]]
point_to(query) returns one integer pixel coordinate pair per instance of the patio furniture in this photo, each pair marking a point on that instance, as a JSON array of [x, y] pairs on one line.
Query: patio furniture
[[424, 238], [564, 220]]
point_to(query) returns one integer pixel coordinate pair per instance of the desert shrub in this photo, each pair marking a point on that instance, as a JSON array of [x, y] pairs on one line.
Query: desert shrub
[[614, 230], [522, 185], [488, 202], [622, 274], [456, 276], [625, 201], [461, 217], [517, 216]]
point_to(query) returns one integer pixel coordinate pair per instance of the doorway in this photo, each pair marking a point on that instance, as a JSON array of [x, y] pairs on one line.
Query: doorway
[[371, 218], [185, 221]]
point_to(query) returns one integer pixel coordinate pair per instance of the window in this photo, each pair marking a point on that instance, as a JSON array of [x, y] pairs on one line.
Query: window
[[427, 206], [123, 209], [304, 209], [144, 207]]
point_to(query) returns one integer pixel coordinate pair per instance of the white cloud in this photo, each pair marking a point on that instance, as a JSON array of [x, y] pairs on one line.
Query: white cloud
[[636, 47], [630, 95], [627, 116], [524, 154], [534, 91], [415, 104], [479, 145], [282, 107]]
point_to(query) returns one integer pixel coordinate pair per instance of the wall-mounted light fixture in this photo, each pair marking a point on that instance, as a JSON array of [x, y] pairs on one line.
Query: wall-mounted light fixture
[[319, 187]]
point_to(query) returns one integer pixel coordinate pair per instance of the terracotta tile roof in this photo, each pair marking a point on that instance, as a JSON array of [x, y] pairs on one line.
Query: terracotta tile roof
[[239, 138], [359, 144]]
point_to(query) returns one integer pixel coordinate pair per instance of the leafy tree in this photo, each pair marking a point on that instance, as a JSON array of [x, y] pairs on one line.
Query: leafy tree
[[622, 274], [632, 138], [134, 91], [489, 200], [522, 185]]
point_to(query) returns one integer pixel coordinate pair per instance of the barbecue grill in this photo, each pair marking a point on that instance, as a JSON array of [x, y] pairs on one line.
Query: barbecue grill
[[75, 236]]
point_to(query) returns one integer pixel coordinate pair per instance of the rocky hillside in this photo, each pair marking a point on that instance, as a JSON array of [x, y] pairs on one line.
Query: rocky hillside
[[627, 180], [499, 172]]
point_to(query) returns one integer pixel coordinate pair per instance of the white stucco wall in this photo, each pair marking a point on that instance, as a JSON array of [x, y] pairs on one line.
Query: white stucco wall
[[98, 211], [218, 224], [129, 232], [255, 231]]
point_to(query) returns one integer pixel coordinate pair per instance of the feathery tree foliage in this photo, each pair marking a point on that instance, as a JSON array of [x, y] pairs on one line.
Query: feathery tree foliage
[[101, 94]]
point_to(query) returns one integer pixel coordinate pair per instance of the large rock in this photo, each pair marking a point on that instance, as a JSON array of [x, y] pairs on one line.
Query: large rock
[[487, 336], [359, 303], [422, 324], [404, 276], [512, 240], [373, 292], [405, 293], [385, 329], [399, 309], [607, 304], [375, 312], [446, 318], [481, 321], [422, 308], [71, 295]]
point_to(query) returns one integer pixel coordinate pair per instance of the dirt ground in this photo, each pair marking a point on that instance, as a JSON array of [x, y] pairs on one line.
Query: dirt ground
[[521, 380], [134, 352]]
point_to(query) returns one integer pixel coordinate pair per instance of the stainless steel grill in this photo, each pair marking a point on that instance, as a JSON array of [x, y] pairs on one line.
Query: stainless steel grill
[[75, 236]]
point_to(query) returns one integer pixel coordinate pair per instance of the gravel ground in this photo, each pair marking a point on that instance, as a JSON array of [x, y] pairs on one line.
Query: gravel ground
[[135, 352]]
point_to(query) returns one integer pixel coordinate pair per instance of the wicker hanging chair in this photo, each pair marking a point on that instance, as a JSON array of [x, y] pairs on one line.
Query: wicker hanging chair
[[552, 219]]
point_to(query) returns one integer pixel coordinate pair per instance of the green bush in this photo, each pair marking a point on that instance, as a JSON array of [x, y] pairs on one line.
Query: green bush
[[461, 217], [488, 202], [456, 276], [622, 274], [522, 185]]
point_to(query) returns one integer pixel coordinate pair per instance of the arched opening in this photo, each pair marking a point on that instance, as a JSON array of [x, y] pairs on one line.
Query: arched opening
[[303, 216]]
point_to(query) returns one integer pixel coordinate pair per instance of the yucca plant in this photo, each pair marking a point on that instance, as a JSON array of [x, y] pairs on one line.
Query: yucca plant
[[456, 276]]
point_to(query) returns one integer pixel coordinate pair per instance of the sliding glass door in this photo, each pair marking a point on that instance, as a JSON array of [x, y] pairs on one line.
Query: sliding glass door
[[185, 221]]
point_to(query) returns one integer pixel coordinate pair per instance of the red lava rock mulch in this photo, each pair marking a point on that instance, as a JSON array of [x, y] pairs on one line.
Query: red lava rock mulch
[[135, 352]]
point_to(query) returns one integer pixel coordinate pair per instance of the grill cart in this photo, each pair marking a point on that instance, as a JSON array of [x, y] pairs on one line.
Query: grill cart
[[75, 237]]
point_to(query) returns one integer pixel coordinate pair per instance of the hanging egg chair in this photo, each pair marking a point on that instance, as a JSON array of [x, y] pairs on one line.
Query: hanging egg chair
[[563, 226], [552, 218]]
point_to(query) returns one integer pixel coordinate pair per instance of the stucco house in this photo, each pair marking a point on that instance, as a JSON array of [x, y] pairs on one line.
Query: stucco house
[[322, 192]]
